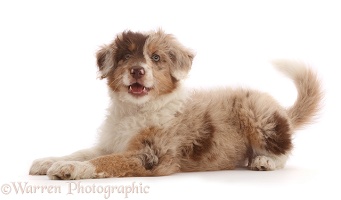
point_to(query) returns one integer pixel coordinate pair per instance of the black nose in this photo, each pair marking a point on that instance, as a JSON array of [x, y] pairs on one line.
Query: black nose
[[137, 72]]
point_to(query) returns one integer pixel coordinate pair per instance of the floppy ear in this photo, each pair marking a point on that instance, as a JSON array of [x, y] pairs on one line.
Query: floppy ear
[[105, 60], [182, 59]]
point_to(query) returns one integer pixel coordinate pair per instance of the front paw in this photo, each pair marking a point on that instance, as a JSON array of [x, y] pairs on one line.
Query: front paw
[[71, 170], [40, 166]]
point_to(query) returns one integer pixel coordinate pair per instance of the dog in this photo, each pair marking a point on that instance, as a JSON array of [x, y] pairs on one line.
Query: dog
[[156, 127]]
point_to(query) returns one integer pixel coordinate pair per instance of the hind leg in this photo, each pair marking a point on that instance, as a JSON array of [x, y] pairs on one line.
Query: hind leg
[[267, 163], [270, 143]]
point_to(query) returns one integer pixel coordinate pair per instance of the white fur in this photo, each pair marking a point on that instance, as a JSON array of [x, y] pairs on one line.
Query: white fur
[[179, 74], [128, 80], [72, 170], [126, 119], [40, 166]]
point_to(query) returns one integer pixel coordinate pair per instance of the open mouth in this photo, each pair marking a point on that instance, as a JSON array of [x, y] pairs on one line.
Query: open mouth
[[138, 89]]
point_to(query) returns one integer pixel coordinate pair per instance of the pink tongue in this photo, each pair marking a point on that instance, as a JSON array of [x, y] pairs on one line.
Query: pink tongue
[[136, 88]]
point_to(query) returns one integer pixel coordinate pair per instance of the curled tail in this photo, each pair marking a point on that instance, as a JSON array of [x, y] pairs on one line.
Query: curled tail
[[309, 95]]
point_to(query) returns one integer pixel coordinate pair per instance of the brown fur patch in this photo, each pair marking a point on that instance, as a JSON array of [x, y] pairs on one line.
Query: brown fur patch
[[144, 143], [142, 139], [203, 144], [101, 56], [139, 159], [119, 165], [167, 83], [280, 142], [114, 83], [149, 151], [129, 43], [247, 94]]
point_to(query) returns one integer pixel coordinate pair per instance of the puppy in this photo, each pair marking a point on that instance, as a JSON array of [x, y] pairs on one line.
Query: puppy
[[154, 127]]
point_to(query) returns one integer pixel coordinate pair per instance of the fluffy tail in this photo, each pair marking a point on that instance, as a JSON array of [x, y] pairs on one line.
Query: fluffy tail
[[309, 95]]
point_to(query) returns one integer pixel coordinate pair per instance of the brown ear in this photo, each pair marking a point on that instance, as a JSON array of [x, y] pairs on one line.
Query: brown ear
[[105, 61]]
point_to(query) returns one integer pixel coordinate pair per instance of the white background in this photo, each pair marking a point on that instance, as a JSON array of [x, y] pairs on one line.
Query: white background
[[51, 102]]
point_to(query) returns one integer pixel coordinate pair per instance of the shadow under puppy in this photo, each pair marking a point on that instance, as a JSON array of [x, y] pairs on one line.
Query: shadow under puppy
[[154, 127]]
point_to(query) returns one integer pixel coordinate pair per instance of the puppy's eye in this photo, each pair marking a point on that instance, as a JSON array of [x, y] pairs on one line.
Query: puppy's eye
[[155, 57], [127, 56]]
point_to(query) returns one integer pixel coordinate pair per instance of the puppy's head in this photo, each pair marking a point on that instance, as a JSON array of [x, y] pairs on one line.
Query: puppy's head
[[141, 67]]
